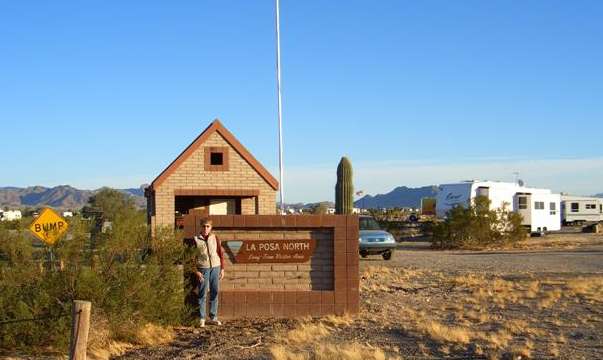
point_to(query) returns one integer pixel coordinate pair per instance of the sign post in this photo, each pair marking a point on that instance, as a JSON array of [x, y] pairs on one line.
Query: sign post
[[49, 227]]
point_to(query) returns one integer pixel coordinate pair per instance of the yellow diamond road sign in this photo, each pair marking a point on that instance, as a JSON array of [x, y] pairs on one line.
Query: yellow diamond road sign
[[49, 226]]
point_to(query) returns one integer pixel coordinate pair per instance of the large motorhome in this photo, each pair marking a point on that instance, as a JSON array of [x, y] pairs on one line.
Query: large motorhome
[[580, 209], [540, 208]]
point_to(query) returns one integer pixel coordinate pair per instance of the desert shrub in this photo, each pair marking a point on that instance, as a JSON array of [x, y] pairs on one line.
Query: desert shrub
[[27, 292], [477, 226], [130, 278], [11, 225]]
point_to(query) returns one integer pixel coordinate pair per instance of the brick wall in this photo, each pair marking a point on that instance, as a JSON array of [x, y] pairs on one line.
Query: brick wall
[[249, 206], [326, 284], [191, 175]]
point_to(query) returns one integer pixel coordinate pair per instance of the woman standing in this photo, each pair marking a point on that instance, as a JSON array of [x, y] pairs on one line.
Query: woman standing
[[209, 268]]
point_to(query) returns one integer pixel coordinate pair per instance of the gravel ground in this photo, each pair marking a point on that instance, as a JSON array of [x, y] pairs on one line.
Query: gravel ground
[[560, 253]]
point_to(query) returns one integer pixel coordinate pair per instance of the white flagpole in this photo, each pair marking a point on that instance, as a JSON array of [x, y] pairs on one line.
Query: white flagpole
[[280, 116]]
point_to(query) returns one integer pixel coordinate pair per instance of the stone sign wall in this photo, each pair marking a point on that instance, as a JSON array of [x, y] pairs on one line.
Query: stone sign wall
[[286, 266]]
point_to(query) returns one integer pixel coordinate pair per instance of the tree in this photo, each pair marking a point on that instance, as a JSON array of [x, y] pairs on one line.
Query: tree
[[111, 204]]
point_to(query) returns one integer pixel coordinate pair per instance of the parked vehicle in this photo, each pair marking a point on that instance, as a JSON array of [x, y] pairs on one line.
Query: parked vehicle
[[428, 206], [10, 215], [576, 210], [540, 208], [373, 240]]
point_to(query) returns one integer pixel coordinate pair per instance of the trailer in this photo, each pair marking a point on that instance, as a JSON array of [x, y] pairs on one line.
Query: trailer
[[576, 210], [428, 206], [539, 208], [10, 215]]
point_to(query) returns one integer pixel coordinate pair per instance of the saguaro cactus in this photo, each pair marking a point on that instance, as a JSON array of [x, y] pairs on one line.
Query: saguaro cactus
[[344, 189]]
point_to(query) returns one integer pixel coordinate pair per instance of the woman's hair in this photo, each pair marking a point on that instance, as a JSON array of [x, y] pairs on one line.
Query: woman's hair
[[207, 221]]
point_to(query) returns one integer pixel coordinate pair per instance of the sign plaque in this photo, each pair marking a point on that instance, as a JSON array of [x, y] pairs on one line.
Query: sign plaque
[[271, 251]]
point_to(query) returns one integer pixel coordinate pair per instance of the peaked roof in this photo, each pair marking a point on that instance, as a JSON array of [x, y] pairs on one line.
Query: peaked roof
[[216, 126]]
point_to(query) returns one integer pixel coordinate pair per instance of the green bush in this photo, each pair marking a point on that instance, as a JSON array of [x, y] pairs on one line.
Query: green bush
[[477, 226], [130, 278]]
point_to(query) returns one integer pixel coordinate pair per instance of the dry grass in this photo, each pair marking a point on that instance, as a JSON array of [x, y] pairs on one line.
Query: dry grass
[[554, 351], [490, 314], [309, 340], [102, 346], [281, 352], [112, 348], [516, 326], [546, 292], [473, 316], [549, 298], [306, 333], [338, 321], [590, 289], [152, 335], [444, 333], [522, 351], [328, 351], [496, 339]]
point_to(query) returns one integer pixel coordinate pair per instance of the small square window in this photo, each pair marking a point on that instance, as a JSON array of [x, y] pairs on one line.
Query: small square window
[[539, 205], [575, 207], [523, 202], [216, 158], [553, 208]]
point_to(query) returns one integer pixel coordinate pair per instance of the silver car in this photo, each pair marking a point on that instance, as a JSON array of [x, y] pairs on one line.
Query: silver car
[[373, 240]]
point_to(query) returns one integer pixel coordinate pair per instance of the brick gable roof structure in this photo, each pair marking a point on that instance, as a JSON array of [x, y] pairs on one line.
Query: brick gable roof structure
[[216, 126]]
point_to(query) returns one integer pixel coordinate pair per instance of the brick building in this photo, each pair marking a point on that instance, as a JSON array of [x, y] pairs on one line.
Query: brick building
[[214, 175]]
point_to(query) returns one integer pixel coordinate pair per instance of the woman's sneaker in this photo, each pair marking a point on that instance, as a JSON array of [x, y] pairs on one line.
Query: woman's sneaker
[[202, 323], [214, 321]]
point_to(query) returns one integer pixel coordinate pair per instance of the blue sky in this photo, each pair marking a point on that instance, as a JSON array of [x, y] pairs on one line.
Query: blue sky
[[415, 93]]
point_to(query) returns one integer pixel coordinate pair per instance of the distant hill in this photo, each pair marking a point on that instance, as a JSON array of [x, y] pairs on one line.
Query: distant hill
[[599, 195], [60, 197], [401, 196]]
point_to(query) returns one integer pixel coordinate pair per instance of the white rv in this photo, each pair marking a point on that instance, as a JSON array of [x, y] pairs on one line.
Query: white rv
[[10, 215], [580, 209], [540, 208]]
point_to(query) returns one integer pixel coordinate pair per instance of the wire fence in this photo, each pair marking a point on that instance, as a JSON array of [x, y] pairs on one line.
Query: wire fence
[[81, 322], [41, 318]]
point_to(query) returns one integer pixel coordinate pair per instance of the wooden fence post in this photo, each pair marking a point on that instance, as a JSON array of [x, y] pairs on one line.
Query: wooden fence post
[[79, 330]]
